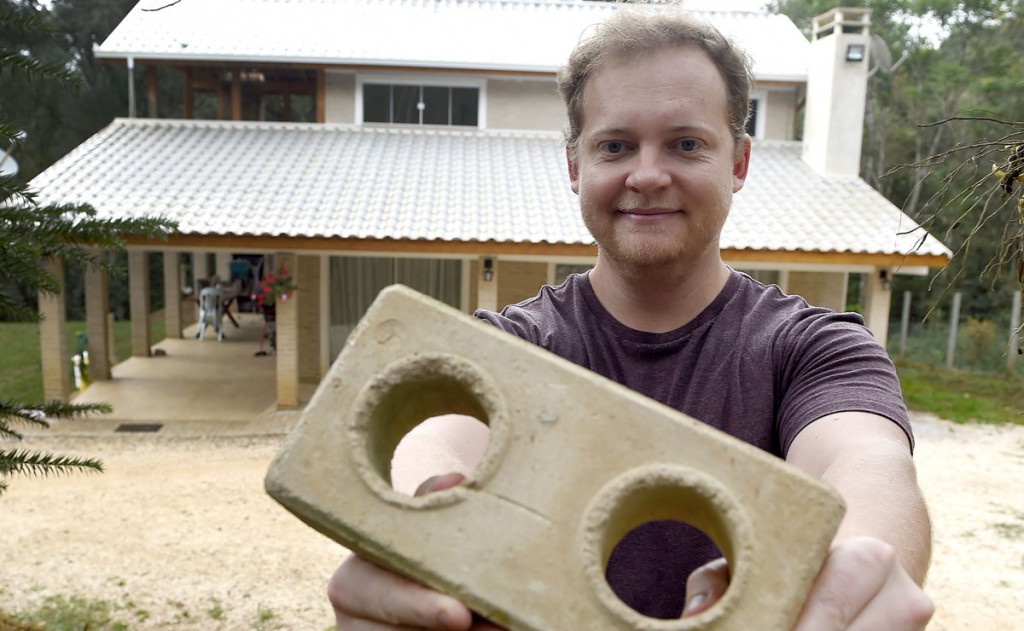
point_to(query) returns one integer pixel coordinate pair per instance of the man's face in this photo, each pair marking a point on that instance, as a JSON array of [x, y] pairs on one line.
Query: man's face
[[656, 164]]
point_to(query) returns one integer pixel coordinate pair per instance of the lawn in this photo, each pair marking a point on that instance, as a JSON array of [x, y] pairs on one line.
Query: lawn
[[21, 377], [963, 396]]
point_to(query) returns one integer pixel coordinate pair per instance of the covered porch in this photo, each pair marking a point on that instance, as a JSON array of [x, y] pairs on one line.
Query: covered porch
[[189, 386]]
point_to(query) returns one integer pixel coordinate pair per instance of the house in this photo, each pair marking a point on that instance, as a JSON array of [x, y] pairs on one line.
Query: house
[[360, 143]]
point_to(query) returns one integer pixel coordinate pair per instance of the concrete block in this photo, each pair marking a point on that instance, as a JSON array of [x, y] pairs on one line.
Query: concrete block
[[573, 463]]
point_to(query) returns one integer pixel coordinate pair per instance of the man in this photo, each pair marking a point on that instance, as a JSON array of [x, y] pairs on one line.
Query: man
[[656, 147]]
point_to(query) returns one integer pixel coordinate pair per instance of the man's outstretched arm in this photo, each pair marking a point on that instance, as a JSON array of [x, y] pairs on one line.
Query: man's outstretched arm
[[872, 578]]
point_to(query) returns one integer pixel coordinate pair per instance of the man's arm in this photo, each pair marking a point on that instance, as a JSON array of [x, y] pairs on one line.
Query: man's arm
[[872, 577], [867, 459], [883, 548]]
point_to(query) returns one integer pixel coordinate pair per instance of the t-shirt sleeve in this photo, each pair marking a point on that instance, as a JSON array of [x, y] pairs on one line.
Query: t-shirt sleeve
[[519, 326], [830, 363]]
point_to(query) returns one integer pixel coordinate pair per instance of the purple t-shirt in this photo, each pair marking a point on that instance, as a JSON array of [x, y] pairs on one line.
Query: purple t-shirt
[[756, 363]]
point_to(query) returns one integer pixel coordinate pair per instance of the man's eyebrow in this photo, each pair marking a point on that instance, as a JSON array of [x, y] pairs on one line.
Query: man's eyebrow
[[611, 131], [620, 130]]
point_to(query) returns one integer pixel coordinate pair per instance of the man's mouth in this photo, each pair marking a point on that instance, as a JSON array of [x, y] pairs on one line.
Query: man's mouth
[[648, 212], [647, 207]]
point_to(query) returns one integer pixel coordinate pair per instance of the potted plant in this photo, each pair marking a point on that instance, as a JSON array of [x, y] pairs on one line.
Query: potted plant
[[269, 290], [274, 287]]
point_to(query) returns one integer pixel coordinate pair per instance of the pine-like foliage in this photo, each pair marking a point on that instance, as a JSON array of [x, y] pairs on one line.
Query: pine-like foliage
[[29, 233], [23, 462]]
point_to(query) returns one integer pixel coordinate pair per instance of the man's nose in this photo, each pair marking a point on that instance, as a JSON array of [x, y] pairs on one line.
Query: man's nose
[[649, 171]]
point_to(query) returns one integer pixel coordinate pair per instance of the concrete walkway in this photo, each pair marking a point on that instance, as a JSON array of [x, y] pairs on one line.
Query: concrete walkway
[[191, 387]]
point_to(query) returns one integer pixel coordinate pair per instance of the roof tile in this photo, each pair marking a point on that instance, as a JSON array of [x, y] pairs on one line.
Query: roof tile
[[466, 34], [315, 180]]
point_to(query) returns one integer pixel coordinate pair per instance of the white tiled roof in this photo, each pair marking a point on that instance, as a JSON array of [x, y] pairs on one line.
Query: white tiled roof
[[786, 205], [310, 180], [514, 35]]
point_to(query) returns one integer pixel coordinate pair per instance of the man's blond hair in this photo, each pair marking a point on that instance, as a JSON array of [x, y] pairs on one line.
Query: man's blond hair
[[631, 32]]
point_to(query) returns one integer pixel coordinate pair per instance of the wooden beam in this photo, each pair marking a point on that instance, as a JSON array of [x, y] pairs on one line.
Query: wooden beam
[[263, 243], [236, 95], [151, 100], [833, 258]]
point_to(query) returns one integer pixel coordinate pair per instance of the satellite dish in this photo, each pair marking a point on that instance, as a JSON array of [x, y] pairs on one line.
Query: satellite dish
[[8, 166], [881, 58], [880, 52]]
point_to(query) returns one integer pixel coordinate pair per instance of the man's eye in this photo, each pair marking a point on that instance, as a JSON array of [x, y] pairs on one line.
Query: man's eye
[[613, 146], [688, 144]]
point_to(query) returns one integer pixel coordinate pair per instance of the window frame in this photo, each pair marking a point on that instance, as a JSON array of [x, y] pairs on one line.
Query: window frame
[[421, 81]]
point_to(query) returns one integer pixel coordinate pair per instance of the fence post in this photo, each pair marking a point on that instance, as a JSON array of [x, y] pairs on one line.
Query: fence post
[[954, 320], [1014, 347], [904, 324]]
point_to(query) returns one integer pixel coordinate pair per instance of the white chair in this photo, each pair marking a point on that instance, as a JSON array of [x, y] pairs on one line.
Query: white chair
[[211, 312]]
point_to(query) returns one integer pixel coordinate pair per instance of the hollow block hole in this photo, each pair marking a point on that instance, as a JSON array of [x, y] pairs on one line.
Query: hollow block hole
[[657, 533], [426, 419]]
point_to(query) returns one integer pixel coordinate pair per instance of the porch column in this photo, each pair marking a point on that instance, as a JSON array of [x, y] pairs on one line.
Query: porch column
[[877, 298], [307, 278], [138, 301], [487, 284], [287, 351], [172, 295], [97, 308], [223, 266], [53, 339], [200, 268]]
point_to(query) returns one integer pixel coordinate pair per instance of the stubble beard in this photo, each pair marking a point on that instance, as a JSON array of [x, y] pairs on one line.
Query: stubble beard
[[640, 246]]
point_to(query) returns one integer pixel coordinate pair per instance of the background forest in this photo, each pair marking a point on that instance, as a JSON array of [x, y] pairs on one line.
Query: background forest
[[952, 89]]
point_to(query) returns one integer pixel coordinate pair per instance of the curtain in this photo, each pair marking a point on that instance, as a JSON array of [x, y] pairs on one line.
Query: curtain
[[355, 282]]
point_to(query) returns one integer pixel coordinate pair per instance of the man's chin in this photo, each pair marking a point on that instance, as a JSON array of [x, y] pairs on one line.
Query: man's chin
[[645, 254]]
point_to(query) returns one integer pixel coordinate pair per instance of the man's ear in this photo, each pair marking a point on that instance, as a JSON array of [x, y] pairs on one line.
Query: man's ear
[[574, 170], [741, 164]]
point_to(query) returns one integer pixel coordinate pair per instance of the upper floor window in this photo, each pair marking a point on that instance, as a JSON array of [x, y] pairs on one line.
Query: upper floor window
[[421, 104]]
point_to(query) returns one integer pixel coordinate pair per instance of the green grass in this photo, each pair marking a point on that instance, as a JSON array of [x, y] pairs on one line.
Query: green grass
[[61, 613], [20, 369], [963, 396]]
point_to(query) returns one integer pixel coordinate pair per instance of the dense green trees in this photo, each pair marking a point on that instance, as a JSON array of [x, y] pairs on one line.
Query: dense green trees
[[935, 127], [29, 233]]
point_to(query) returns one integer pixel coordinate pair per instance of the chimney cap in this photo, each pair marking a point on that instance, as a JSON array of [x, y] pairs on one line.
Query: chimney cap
[[843, 19]]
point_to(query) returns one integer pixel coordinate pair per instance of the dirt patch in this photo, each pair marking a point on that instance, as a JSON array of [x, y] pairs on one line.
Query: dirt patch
[[179, 532]]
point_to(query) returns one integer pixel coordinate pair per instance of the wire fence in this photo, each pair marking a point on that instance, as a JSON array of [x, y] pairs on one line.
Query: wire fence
[[946, 338]]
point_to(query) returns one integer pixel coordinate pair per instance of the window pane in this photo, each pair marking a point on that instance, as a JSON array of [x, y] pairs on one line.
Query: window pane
[[404, 105], [436, 101], [303, 108], [273, 107], [376, 103], [465, 102]]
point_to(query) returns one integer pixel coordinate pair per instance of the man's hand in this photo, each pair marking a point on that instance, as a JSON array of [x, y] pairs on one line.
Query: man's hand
[[861, 587], [366, 597]]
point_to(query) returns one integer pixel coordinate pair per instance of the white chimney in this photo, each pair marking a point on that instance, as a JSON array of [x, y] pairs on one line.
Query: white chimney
[[837, 80]]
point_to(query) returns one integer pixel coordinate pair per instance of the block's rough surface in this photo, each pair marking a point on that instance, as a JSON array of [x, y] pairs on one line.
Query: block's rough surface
[[574, 462]]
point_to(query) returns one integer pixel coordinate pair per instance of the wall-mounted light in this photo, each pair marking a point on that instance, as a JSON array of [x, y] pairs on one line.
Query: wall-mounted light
[[886, 281], [488, 270], [855, 52]]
